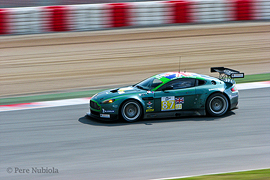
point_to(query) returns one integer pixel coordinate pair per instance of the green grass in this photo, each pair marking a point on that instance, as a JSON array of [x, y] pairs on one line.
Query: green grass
[[48, 97], [263, 174], [80, 94], [254, 78]]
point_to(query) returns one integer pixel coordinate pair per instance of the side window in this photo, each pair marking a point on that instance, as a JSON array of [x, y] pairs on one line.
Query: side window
[[200, 82], [184, 83], [178, 84]]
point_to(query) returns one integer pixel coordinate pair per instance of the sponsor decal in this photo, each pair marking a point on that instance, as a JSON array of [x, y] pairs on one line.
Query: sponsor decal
[[107, 111], [239, 75], [105, 115], [149, 110], [178, 106], [149, 106]]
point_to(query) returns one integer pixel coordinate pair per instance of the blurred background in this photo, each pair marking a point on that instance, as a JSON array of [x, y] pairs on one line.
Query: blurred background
[[74, 48], [29, 3]]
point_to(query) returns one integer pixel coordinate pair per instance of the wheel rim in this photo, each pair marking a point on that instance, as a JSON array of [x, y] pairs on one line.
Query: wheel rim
[[131, 111], [218, 105]]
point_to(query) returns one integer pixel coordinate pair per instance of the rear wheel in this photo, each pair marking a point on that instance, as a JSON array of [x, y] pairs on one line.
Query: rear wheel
[[217, 105], [131, 111]]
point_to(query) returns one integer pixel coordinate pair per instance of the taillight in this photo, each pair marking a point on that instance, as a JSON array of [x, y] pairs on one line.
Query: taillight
[[234, 89]]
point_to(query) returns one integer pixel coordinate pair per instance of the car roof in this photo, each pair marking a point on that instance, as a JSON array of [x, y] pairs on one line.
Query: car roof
[[177, 75]]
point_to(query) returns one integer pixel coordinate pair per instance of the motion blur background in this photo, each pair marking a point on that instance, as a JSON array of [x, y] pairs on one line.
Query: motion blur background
[[77, 47], [29, 3]]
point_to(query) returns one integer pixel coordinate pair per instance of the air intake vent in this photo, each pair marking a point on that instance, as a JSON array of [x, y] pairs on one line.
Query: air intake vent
[[114, 90], [94, 105]]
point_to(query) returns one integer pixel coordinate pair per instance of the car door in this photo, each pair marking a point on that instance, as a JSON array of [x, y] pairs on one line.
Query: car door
[[178, 94]]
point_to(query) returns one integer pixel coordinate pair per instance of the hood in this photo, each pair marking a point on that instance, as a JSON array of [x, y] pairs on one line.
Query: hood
[[112, 93]]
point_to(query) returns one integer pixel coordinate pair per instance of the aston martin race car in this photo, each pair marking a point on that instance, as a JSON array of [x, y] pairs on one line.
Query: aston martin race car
[[170, 94]]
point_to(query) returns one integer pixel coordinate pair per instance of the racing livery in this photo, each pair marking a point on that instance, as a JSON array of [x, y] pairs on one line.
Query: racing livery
[[171, 94]]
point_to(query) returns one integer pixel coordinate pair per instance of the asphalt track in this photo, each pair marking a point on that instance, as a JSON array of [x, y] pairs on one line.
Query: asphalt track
[[81, 148]]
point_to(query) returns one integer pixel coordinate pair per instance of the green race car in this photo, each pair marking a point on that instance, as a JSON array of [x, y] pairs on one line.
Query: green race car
[[171, 94]]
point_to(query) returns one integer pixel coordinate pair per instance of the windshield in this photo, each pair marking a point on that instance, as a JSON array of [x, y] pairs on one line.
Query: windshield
[[148, 84]]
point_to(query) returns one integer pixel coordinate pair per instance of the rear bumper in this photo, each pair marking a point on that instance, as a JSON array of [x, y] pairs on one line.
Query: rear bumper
[[234, 101], [234, 106]]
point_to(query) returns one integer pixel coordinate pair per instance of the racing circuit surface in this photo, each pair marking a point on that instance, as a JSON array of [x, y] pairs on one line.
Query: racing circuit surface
[[81, 148]]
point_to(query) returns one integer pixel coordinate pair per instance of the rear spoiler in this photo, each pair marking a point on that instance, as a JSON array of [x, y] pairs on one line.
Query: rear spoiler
[[227, 73]]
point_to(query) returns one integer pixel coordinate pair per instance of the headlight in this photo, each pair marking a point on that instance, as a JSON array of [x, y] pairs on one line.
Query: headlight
[[108, 101]]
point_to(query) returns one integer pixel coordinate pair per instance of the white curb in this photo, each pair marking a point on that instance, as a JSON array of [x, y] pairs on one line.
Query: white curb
[[79, 101]]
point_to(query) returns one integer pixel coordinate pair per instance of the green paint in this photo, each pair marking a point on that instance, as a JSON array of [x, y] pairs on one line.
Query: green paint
[[120, 96], [81, 94], [158, 87], [163, 79], [200, 78], [263, 174]]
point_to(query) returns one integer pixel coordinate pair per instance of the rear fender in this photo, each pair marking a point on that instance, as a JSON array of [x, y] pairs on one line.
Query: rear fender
[[220, 92]]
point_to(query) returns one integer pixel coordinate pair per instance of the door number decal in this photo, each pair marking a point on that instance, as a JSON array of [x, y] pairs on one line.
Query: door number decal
[[171, 103], [167, 103]]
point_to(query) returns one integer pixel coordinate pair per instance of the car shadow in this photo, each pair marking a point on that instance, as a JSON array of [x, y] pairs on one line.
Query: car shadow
[[95, 122]]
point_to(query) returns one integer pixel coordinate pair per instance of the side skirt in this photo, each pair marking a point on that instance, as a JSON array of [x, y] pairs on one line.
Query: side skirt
[[174, 114]]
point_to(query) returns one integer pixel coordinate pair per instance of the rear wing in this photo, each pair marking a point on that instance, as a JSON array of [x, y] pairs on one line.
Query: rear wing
[[227, 74]]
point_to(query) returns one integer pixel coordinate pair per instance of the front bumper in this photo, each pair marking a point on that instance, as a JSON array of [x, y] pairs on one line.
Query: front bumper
[[106, 112], [100, 116]]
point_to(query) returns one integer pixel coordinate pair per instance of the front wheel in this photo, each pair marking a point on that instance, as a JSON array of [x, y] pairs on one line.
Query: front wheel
[[217, 105], [131, 111]]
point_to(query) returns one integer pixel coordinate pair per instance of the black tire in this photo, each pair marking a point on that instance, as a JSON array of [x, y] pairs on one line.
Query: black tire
[[131, 111], [217, 104]]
